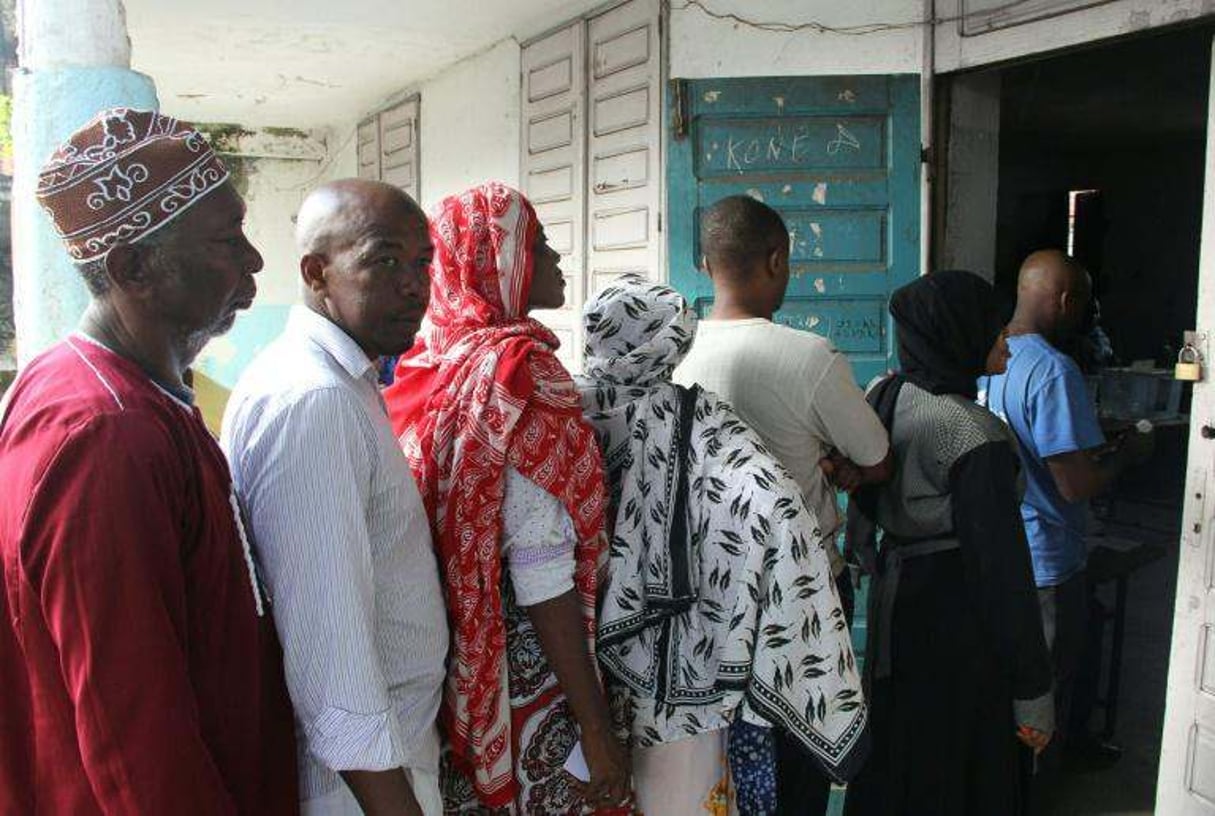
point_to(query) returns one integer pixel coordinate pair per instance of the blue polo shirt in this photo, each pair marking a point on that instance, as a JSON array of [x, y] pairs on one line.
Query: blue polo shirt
[[1043, 399]]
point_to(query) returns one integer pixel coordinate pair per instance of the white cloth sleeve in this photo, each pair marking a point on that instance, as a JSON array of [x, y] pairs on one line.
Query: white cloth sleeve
[[843, 419], [538, 540]]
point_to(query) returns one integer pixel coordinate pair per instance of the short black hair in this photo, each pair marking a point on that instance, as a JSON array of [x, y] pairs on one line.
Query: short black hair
[[739, 231], [95, 278]]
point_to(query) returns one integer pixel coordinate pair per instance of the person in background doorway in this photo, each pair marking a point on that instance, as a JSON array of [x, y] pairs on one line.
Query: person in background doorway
[[1094, 349], [719, 616], [336, 518], [956, 664], [1043, 399], [513, 484], [796, 391], [139, 670]]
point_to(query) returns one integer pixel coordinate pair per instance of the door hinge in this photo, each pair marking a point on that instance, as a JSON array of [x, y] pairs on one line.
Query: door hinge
[[679, 113], [660, 222]]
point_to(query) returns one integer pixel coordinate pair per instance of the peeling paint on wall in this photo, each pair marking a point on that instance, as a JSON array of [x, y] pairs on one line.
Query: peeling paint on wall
[[239, 171], [223, 136], [266, 143], [273, 169], [286, 132]]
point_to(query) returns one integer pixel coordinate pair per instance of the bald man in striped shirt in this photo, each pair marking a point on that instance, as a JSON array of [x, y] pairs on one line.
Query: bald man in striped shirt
[[335, 516]]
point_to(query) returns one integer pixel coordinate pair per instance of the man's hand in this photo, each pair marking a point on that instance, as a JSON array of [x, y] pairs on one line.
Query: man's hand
[[841, 472], [608, 763], [383, 793], [1033, 738], [844, 474]]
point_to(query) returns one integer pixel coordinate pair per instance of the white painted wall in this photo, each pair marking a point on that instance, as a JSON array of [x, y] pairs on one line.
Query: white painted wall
[[273, 173], [342, 149], [470, 124], [275, 190], [973, 175], [701, 46], [1120, 17]]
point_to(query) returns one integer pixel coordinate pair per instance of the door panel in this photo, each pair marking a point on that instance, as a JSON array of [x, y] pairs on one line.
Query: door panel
[[399, 155], [369, 149], [591, 153], [1186, 784], [554, 165], [624, 198], [839, 158]]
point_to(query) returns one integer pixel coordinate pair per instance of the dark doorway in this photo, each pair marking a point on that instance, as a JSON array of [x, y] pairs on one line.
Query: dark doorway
[[1101, 152], [1110, 141]]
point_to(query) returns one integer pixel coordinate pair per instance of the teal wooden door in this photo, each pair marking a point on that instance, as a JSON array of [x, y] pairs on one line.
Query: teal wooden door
[[839, 158]]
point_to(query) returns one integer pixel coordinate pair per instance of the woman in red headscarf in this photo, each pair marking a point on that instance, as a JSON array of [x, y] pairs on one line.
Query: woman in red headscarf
[[513, 484]]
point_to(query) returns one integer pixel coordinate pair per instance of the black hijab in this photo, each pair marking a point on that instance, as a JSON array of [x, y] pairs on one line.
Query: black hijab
[[945, 324]]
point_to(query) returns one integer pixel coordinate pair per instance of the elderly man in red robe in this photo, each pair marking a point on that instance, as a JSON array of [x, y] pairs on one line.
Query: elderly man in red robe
[[139, 667]]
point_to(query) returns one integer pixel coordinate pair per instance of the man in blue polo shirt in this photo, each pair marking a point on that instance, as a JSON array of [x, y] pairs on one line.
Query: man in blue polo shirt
[[1043, 398]]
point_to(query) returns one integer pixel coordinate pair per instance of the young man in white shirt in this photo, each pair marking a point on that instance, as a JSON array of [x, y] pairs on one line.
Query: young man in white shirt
[[795, 390], [336, 519]]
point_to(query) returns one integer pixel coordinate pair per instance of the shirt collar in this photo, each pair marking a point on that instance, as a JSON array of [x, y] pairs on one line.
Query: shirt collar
[[183, 396], [336, 343]]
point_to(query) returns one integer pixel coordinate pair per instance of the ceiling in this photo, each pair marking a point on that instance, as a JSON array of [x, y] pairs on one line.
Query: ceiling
[[309, 63]]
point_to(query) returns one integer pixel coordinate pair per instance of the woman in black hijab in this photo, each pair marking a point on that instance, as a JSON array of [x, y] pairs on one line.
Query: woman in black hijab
[[956, 664]]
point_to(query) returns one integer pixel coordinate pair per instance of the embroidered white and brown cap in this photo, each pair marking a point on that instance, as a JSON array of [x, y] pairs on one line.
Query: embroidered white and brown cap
[[124, 175]]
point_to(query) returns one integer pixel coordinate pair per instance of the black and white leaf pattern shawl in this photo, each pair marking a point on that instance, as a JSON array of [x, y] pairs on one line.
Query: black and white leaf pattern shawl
[[729, 607]]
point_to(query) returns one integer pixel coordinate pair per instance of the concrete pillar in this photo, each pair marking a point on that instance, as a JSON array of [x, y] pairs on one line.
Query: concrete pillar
[[74, 59], [973, 174]]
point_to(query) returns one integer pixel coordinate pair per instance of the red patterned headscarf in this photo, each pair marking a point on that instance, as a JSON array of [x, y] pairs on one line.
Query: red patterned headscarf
[[482, 390], [122, 176]]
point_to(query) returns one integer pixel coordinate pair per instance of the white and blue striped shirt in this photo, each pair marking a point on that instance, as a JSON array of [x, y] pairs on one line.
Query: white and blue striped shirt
[[342, 537]]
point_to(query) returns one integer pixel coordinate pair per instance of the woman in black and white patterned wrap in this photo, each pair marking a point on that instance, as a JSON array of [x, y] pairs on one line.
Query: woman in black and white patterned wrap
[[718, 616]]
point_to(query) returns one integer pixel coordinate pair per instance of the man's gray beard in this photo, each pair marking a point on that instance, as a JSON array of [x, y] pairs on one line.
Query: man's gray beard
[[196, 341]]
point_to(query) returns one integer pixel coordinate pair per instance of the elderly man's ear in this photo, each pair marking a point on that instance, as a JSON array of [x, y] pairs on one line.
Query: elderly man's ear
[[312, 271], [125, 269]]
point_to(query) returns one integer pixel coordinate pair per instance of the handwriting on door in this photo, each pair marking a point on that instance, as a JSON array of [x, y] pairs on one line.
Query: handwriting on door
[[849, 333], [782, 144]]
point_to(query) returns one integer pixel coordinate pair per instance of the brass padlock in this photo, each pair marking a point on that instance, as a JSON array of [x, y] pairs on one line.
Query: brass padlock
[[1189, 365]]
